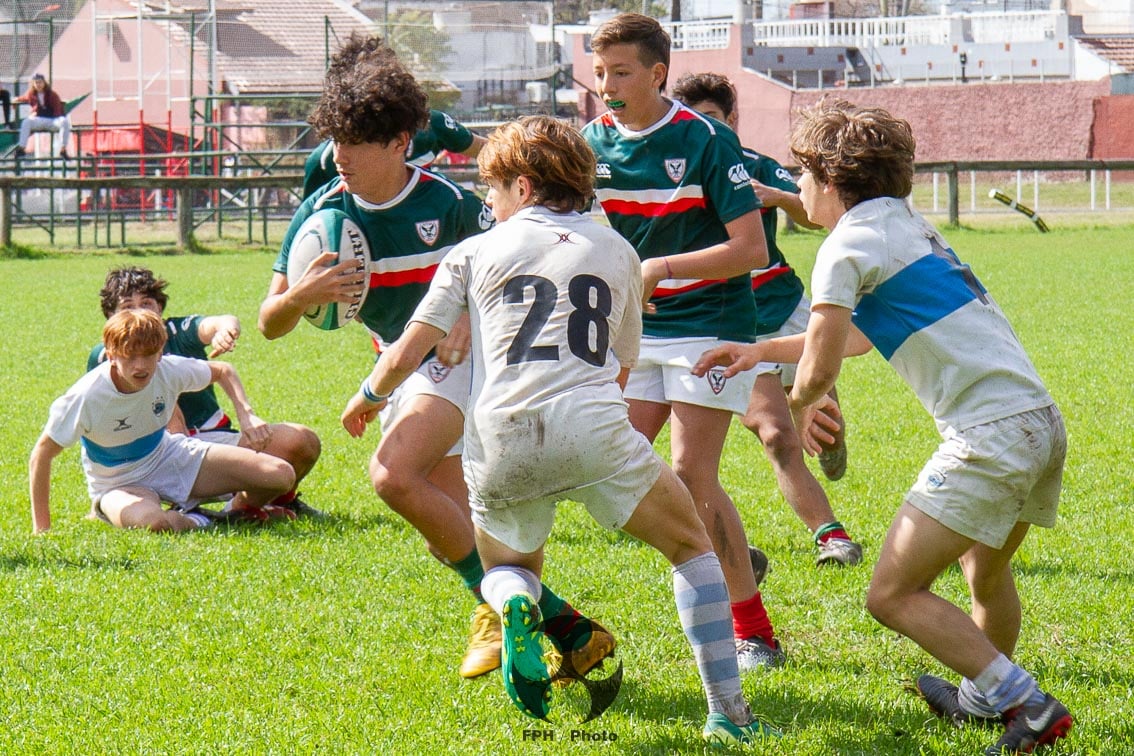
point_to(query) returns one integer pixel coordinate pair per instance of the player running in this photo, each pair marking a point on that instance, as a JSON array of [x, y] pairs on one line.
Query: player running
[[370, 107], [555, 303], [673, 184], [886, 278], [781, 310]]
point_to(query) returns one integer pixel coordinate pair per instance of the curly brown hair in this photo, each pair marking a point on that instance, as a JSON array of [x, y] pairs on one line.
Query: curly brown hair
[[125, 282], [552, 154], [864, 152], [368, 96]]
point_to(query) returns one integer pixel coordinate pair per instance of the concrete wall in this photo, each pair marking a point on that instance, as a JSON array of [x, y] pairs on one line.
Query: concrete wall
[[1113, 136], [1067, 120]]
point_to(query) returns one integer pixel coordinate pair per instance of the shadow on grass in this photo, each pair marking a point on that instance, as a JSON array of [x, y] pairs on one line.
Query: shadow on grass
[[13, 562], [787, 711], [1042, 568]]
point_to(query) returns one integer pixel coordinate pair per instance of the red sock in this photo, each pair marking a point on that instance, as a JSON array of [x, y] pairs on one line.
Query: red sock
[[284, 499], [837, 533], [749, 618]]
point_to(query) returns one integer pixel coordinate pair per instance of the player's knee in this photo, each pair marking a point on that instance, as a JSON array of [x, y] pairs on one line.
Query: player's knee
[[884, 602], [391, 485], [781, 443]]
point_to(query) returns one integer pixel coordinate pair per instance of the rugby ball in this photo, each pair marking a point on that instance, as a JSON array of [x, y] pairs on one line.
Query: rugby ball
[[328, 230]]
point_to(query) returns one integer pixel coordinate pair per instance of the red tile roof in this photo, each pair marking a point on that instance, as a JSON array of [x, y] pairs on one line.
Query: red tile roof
[[269, 46], [1117, 49]]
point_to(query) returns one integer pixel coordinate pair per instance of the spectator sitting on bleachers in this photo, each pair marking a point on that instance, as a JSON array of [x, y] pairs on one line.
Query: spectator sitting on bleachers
[[47, 114]]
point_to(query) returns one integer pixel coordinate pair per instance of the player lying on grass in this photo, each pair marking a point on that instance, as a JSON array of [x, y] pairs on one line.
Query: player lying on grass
[[886, 278], [198, 413], [120, 411], [555, 304], [781, 310], [674, 185], [370, 107]]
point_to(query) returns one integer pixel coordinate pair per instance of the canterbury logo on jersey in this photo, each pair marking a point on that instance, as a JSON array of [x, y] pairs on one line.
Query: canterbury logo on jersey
[[784, 175], [737, 174], [602, 170], [428, 230], [675, 169]]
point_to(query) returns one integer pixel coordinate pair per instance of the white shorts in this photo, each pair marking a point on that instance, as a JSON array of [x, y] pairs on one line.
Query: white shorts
[[525, 525], [225, 437], [171, 474], [983, 480], [796, 323], [432, 378], [663, 376]]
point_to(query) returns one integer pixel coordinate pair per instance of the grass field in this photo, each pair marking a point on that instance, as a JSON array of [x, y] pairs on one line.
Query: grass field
[[343, 635]]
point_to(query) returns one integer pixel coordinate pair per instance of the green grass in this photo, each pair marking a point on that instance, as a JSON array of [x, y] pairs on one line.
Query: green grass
[[343, 636]]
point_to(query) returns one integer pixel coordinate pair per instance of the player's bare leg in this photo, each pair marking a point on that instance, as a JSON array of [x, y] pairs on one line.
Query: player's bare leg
[[697, 437], [132, 507], [917, 549], [300, 446], [410, 449], [414, 475], [258, 478], [769, 417]]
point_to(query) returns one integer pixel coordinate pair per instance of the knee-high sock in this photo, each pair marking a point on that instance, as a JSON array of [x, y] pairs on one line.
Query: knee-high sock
[[702, 603]]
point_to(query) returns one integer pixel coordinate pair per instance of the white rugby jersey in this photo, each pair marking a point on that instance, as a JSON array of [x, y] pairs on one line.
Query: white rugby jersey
[[118, 431], [555, 305], [927, 313]]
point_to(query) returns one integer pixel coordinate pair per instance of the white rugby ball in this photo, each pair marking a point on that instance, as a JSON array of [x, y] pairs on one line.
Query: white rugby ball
[[329, 230]]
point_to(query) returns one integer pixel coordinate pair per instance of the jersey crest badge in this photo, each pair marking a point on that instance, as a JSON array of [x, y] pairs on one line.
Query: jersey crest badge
[[486, 218], [675, 169], [716, 379], [438, 372], [427, 231], [159, 406], [737, 174]]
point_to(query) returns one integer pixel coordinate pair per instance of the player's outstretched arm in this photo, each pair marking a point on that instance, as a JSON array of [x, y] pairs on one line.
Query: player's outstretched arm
[[395, 365], [252, 428], [788, 201], [738, 357], [39, 480], [474, 149], [220, 332], [284, 306]]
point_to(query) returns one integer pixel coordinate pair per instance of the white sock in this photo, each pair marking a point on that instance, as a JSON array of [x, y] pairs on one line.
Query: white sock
[[502, 583], [973, 701], [200, 520], [1007, 685]]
